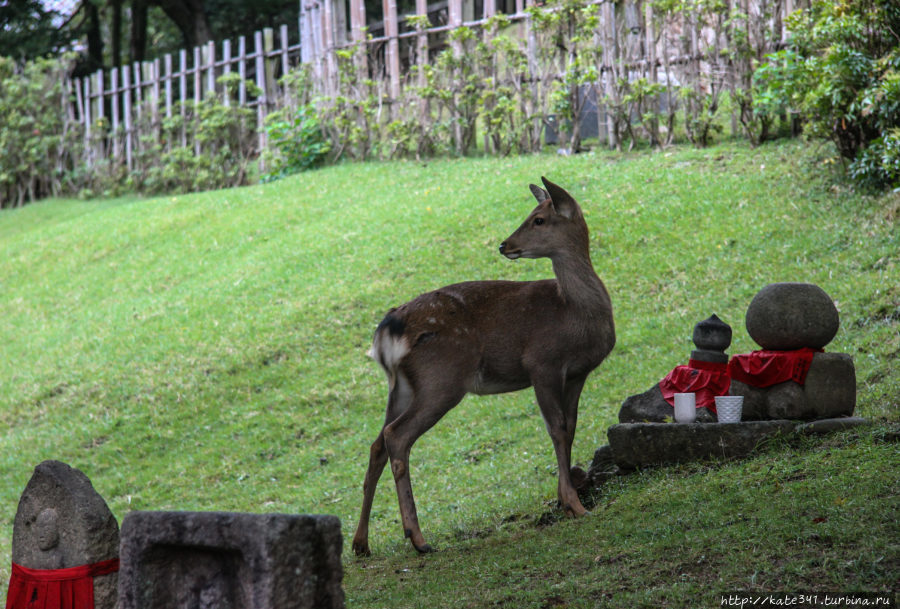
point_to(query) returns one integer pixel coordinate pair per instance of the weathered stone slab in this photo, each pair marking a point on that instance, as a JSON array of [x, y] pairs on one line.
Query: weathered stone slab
[[62, 522], [639, 444], [824, 426], [201, 560]]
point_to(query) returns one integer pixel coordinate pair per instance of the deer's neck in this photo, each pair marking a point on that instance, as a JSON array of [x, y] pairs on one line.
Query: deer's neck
[[580, 286]]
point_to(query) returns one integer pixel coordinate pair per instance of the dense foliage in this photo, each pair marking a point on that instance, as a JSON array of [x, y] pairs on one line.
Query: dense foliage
[[841, 75], [39, 138]]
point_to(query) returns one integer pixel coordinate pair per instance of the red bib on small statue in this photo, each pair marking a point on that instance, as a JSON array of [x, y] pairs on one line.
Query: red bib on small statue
[[706, 379], [766, 368], [71, 588]]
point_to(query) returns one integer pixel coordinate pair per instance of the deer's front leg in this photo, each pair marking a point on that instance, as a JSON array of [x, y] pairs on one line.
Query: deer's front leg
[[552, 399]]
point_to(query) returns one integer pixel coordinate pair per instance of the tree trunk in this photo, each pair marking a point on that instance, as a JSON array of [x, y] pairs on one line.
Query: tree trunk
[[189, 16], [138, 30]]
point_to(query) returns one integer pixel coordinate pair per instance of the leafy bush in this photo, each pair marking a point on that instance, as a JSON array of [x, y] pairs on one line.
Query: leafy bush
[[39, 138], [841, 74], [296, 142], [203, 146]]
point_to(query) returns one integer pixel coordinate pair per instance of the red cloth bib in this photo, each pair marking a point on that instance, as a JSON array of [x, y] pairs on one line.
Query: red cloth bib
[[706, 379], [766, 368], [71, 588]]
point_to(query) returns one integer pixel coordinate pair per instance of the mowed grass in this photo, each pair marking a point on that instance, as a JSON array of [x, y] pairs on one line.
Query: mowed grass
[[207, 352]]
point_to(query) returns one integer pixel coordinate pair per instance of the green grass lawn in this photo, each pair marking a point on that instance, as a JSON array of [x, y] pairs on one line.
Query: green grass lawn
[[207, 352]]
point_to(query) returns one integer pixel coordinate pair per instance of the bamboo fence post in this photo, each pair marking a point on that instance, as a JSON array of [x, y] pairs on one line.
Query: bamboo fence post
[[114, 92], [358, 35], [392, 53], [532, 106], [262, 100], [608, 27], [455, 21], [317, 50], [650, 51], [283, 36], [242, 70], [226, 69], [88, 156], [198, 80], [182, 93], [155, 90], [126, 113]]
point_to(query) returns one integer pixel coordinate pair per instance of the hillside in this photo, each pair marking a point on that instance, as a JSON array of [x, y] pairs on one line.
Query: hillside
[[207, 352]]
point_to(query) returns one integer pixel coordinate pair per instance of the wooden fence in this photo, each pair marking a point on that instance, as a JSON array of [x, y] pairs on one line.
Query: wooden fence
[[629, 34], [116, 99]]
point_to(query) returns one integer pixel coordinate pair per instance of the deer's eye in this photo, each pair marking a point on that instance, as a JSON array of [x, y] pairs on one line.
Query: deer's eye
[[538, 221]]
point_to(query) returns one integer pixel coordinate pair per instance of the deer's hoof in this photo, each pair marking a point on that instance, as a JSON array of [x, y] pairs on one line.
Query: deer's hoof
[[575, 511], [361, 548], [423, 549]]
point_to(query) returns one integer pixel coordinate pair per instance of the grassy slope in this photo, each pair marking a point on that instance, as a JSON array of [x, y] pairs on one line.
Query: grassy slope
[[207, 352]]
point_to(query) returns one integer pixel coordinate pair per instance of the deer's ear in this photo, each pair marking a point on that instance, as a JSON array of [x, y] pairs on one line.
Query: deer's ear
[[539, 193], [562, 201]]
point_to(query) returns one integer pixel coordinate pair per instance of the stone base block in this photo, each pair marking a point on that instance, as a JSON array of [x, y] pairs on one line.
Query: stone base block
[[639, 444], [217, 559], [829, 391]]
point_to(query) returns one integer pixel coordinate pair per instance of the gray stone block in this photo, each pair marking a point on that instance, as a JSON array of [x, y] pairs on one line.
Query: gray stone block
[[639, 444], [754, 407], [830, 386], [62, 522], [223, 560], [787, 316], [829, 391]]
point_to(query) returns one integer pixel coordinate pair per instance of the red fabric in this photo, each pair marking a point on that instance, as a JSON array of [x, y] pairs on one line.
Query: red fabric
[[706, 379], [71, 588], [766, 368]]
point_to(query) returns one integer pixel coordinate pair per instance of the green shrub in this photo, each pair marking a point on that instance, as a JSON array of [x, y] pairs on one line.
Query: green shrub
[[203, 146], [40, 140], [296, 142], [841, 74]]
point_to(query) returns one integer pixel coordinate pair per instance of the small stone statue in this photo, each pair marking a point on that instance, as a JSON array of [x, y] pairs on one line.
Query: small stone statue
[[62, 523], [705, 375]]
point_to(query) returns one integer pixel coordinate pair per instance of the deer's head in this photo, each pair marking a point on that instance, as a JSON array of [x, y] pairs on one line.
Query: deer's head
[[556, 227]]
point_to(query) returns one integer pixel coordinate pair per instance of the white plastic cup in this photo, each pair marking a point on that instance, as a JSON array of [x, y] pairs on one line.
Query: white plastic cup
[[685, 407], [729, 407]]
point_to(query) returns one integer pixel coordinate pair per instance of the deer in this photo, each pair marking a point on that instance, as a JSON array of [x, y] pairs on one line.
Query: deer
[[489, 337]]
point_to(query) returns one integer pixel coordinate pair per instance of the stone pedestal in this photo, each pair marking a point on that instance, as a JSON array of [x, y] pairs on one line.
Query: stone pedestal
[[206, 560], [641, 444], [829, 391]]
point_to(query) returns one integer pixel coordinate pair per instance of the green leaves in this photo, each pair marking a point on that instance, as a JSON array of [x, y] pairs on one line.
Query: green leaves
[[840, 73], [296, 143]]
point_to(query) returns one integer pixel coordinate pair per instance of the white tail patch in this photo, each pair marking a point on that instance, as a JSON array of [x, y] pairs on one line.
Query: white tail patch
[[388, 350]]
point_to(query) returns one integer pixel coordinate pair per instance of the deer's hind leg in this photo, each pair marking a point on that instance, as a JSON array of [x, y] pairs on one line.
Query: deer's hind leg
[[398, 401], [430, 402]]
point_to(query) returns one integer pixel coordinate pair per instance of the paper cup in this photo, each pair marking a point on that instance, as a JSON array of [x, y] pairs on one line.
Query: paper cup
[[728, 408], [685, 407]]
